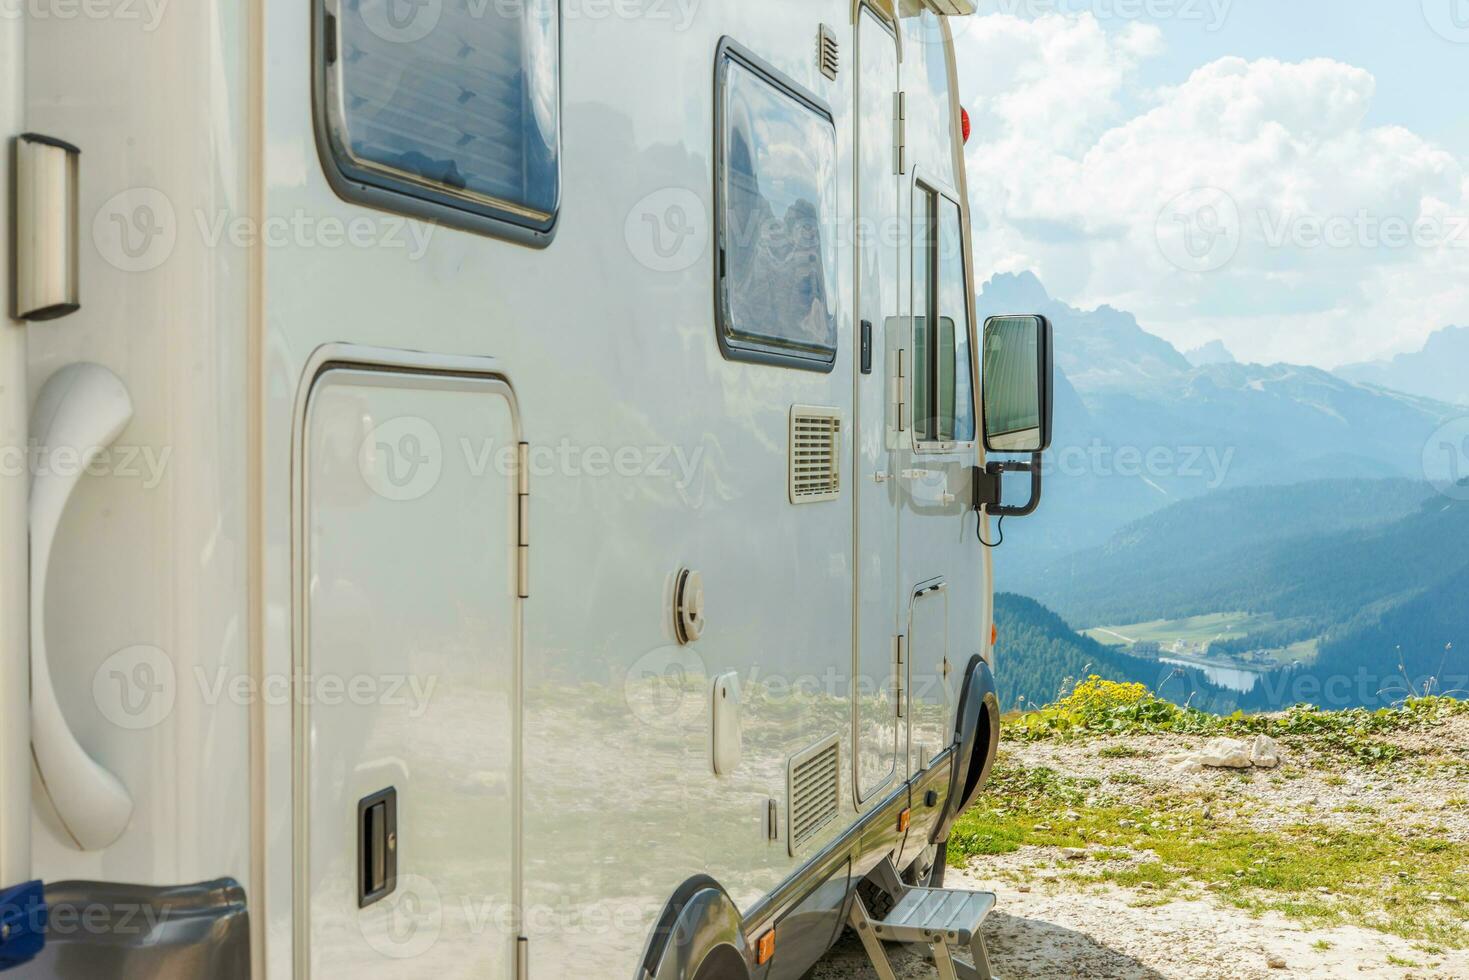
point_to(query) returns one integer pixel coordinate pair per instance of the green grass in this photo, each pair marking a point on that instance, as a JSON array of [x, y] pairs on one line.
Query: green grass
[[1120, 752], [1375, 876], [1100, 707]]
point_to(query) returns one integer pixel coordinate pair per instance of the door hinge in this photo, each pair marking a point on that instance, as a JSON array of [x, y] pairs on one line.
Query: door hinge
[[900, 385], [900, 132], [899, 693], [522, 958], [522, 543]]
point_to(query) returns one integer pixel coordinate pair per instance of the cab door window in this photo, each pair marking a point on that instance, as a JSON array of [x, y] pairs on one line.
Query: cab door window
[[943, 385]]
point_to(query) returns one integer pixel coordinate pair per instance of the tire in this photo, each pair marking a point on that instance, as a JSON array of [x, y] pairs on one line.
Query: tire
[[877, 902]]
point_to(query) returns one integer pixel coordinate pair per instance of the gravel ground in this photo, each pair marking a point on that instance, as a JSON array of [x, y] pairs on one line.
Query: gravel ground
[[1104, 933], [1047, 928]]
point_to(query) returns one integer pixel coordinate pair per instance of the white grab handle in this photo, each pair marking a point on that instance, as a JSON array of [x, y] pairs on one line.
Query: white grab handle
[[83, 408]]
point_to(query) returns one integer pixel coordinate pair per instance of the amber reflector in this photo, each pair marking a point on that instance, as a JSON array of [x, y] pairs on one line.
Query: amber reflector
[[766, 948]]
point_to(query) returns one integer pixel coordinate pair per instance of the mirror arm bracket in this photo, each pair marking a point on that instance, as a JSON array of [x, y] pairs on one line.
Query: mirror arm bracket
[[988, 481]]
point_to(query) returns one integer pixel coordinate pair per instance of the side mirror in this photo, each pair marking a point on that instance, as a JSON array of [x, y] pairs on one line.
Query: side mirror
[[1017, 405], [1018, 398]]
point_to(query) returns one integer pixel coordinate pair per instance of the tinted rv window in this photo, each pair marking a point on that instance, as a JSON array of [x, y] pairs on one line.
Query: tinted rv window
[[452, 104], [777, 218], [943, 387]]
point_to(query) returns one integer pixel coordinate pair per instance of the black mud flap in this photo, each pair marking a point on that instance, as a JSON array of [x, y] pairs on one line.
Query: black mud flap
[[976, 742]]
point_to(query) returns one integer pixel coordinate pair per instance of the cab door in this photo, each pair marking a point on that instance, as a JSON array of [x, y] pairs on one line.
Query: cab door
[[876, 697]]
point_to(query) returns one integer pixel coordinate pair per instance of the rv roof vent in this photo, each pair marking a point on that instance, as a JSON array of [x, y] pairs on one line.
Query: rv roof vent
[[827, 53], [816, 454], [813, 791]]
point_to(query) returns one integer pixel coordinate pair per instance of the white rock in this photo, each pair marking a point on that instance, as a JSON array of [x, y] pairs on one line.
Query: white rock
[[1221, 753], [1265, 753]]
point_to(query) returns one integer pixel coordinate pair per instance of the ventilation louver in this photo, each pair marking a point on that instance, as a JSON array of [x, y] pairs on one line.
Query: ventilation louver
[[827, 53], [813, 791], [816, 455]]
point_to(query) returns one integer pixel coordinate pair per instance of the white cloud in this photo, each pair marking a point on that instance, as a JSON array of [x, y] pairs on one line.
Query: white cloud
[[1352, 239]]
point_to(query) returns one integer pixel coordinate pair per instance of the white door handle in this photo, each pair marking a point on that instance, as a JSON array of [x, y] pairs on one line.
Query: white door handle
[[83, 407]]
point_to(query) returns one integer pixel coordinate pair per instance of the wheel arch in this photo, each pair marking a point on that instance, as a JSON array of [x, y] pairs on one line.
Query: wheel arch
[[976, 742], [697, 937]]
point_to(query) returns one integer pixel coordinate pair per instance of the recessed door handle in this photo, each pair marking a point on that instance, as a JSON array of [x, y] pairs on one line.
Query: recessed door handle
[[377, 847]]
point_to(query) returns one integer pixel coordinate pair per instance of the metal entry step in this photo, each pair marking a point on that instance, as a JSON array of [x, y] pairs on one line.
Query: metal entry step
[[929, 914], [940, 918]]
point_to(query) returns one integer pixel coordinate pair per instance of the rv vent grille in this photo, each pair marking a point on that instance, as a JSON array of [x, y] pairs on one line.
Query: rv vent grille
[[816, 455], [813, 791], [827, 53]]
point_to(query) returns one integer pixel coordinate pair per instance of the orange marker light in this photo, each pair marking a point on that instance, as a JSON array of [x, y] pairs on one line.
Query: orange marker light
[[994, 633], [765, 948], [903, 820]]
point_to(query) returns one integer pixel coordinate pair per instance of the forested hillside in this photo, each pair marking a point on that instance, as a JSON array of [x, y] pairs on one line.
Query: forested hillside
[[1041, 658], [1331, 552]]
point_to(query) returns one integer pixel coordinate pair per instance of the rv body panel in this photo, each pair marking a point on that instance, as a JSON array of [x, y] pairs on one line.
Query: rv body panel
[[650, 454]]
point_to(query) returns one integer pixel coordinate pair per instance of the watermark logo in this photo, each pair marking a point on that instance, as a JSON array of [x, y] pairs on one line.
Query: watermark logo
[[407, 923], [1210, 14], [136, 231], [1199, 230], [668, 231], [1448, 18], [665, 688], [147, 13], [402, 458], [401, 21], [1446, 459], [136, 688]]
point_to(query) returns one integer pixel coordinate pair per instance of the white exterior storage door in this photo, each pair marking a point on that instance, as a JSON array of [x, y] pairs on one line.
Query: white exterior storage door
[[408, 677]]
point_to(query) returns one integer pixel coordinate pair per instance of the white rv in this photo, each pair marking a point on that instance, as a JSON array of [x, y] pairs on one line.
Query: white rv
[[492, 488]]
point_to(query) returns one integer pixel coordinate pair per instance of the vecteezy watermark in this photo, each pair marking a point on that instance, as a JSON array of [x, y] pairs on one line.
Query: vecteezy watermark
[[407, 923], [1202, 686], [1211, 14], [138, 230], [668, 230], [1200, 230], [136, 688], [146, 464], [1446, 459], [1448, 18], [408, 21], [148, 14], [1363, 230], [667, 687], [404, 458], [1209, 465]]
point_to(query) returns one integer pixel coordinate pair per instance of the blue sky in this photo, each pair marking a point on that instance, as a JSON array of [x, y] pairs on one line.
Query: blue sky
[[1288, 176], [1421, 77]]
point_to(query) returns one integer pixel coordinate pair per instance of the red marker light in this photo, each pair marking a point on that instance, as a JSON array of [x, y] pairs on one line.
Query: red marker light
[[964, 122]]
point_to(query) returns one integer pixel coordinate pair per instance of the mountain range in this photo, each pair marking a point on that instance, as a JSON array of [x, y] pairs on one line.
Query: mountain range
[[1440, 370], [1140, 427]]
